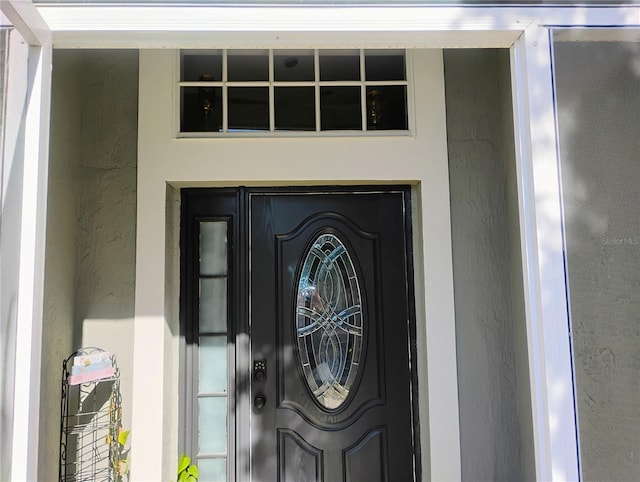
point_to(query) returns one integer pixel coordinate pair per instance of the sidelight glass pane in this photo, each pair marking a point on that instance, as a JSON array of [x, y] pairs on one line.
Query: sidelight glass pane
[[213, 364], [212, 423], [213, 305], [212, 470], [213, 248]]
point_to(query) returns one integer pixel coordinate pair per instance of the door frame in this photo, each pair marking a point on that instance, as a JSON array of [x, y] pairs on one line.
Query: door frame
[[239, 307]]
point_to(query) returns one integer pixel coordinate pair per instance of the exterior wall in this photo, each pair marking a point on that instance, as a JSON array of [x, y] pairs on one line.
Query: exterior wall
[[493, 383], [90, 257], [420, 160], [598, 90]]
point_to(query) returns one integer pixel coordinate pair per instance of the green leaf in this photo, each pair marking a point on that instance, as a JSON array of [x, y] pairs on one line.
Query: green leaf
[[192, 479], [193, 470], [183, 463], [182, 477], [123, 436]]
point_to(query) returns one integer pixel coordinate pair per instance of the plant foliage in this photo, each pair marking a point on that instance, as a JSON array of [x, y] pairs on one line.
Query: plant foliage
[[187, 472]]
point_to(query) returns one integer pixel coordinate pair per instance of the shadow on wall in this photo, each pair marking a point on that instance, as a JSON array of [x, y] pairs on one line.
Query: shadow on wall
[[494, 398], [90, 252], [598, 90]]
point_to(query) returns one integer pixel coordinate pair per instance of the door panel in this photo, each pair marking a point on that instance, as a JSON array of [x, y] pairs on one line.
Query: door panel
[[367, 459], [297, 459], [309, 440]]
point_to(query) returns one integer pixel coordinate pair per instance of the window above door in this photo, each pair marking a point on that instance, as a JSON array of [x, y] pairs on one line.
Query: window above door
[[293, 92]]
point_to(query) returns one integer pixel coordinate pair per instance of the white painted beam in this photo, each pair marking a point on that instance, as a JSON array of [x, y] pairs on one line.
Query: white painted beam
[[173, 26], [270, 27], [25, 17]]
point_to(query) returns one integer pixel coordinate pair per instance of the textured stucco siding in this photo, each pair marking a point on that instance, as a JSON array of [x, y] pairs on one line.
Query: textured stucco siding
[[495, 413], [598, 90], [90, 257]]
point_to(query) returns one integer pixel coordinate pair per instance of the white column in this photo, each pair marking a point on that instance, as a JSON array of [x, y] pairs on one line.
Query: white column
[[540, 207], [28, 182]]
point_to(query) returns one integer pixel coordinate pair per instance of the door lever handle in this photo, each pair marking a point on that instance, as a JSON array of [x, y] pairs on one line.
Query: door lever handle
[[259, 402]]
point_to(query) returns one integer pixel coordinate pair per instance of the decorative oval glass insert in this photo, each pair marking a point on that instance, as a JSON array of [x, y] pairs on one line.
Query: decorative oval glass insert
[[329, 322]]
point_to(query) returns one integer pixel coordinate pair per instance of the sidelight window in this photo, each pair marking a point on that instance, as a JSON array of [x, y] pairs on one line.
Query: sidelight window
[[212, 395], [293, 92]]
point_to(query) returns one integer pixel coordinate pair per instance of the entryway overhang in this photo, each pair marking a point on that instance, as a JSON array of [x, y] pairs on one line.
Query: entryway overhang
[[123, 25], [525, 30]]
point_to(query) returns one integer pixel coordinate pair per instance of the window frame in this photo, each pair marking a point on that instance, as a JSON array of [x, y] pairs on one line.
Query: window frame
[[317, 84]]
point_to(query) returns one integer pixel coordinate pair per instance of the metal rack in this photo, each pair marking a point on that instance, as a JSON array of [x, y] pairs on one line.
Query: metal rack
[[91, 416]]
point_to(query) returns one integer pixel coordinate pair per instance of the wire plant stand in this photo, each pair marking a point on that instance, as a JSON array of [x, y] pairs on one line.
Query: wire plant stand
[[91, 417]]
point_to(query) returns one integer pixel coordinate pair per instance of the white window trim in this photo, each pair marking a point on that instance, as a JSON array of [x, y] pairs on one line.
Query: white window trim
[[525, 30], [34, 119]]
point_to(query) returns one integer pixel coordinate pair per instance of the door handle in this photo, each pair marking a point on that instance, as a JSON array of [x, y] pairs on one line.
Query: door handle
[[259, 402]]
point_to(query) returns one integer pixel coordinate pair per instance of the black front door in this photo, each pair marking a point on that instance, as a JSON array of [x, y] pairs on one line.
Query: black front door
[[329, 392]]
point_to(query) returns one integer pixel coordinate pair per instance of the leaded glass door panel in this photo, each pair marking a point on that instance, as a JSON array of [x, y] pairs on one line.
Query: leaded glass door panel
[[330, 320]]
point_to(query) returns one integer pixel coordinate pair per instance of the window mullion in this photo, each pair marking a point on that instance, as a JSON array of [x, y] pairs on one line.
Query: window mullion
[[316, 71], [363, 91], [272, 109], [225, 93]]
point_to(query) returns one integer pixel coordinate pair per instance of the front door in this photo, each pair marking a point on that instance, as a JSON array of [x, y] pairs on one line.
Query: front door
[[325, 390]]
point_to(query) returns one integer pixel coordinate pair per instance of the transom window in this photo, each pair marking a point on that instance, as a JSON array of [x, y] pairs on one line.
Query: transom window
[[293, 91]]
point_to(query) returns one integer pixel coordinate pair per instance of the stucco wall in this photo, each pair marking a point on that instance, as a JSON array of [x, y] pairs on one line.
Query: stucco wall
[[495, 411], [598, 91], [90, 258]]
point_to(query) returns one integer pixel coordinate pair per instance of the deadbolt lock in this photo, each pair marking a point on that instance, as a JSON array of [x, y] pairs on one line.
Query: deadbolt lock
[[260, 370]]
